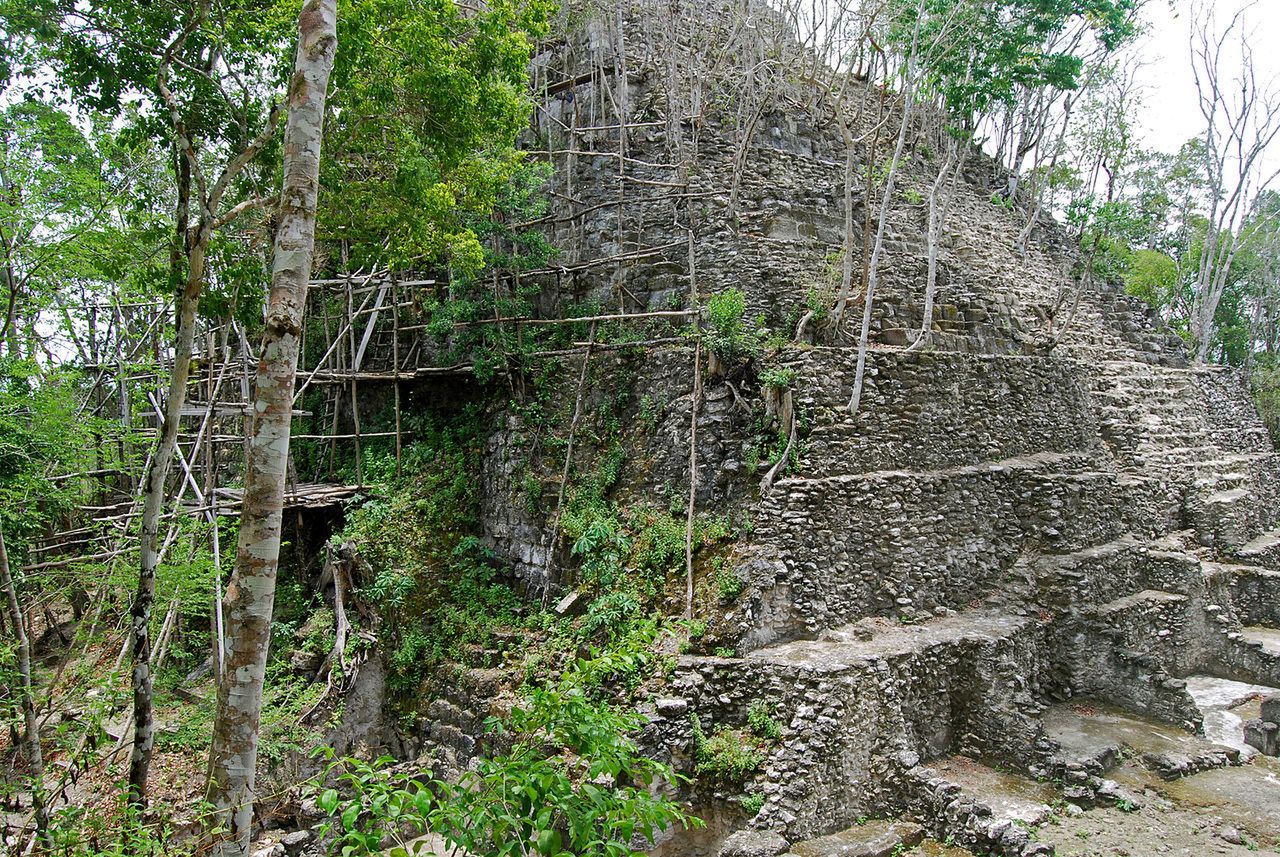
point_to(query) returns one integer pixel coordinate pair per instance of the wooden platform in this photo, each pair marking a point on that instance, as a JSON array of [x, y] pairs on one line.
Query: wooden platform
[[307, 495]]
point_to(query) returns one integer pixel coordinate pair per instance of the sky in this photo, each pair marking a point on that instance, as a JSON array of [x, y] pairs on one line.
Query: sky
[[1171, 114]]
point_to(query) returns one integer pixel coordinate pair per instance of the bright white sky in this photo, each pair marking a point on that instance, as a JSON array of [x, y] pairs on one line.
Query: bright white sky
[[1171, 113]]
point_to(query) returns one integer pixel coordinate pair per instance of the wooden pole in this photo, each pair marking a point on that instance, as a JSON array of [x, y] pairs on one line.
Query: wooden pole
[[395, 360], [355, 403]]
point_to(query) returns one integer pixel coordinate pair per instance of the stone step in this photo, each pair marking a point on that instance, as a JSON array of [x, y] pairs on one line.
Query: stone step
[[1253, 654], [1092, 738], [1268, 639], [1105, 572], [1226, 705], [1253, 591], [950, 685], [872, 640], [874, 838], [1264, 548], [1052, 463], [961, 800], [857, 546], [1149, 599]]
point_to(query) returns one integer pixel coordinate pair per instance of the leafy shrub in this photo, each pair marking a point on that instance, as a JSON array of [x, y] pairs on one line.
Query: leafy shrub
[[573, 782], [752, 803], [318, 634], [778, 377], [727, 755], [760, 721], [612, 612], [434, 583], [79, 831], [659, 543], [728, 585], [728, 335]]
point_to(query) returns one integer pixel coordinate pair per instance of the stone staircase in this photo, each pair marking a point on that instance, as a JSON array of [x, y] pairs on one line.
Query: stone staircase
[[989, 537]]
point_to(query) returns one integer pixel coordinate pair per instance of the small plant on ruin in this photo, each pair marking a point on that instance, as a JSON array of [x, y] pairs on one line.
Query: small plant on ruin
[[729, 335], [752, 803], [777, 377], [727, 755], [728, 584], [760, 720], [611, 612], [648, 416]]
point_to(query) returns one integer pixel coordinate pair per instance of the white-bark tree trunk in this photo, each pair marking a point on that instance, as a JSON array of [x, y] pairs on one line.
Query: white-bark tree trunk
[[195, 242], [251, 592], [31, 724], [886, 206], [1242, 122], [941, 192], [152, 509]]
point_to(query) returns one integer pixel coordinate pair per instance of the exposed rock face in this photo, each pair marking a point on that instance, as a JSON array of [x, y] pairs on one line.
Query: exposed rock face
[[1002, 526], [1263, 733]]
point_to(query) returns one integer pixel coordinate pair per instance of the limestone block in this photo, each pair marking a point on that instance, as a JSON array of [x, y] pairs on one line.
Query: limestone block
[[1263, 736], [1271, 709], [753, 843]]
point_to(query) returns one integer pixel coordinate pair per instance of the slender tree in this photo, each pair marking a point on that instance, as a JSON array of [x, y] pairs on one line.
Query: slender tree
[[1242, 121], [195, 238], [251, 593], [31, 723]]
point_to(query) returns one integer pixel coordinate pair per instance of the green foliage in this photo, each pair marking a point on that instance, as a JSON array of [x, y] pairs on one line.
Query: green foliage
[[421, 168], [728, 584], [193, 729], [612, 612], [40, 435], [93, 831], [597, 538], [573, 783], [437, 588], [423, 150], [752, 803], [648, 416], [977, 55], [658, 548], [1152, 276], [760, 721], [633, 550], [727, 755], [317, 635], [777, 377], [728, 335]]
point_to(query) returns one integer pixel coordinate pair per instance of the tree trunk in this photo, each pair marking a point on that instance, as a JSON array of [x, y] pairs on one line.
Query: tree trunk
[[251, 592], [886, 207], [152, 509], [31, 724], [941, 193]]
